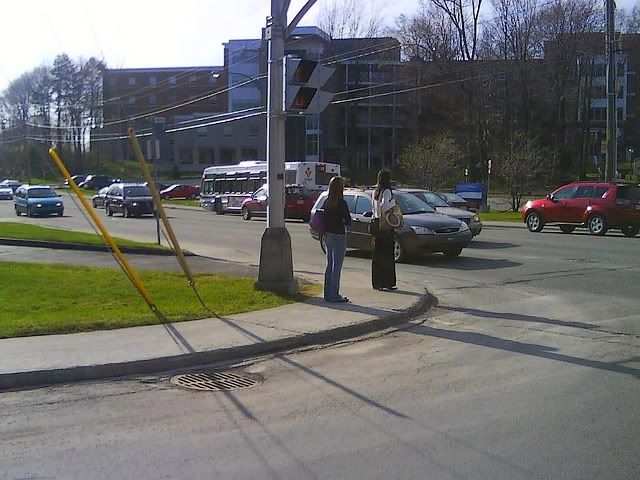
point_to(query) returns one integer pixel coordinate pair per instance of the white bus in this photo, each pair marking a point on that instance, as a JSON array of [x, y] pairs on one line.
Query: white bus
[[225, 187]]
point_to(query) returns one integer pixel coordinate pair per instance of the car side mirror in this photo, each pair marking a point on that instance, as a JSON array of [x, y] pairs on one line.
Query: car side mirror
[[367, 214], [551, 197]]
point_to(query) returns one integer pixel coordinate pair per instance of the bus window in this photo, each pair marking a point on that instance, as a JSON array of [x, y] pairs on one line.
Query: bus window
[[322, 177], [290, 177]]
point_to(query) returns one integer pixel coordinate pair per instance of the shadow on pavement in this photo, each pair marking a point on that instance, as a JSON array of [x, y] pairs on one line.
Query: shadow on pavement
[[532, 349], [437, 260], [519, 317], [484, 245]]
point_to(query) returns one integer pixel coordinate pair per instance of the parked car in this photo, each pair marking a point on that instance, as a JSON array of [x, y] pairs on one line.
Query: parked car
[[96, 182], [128, 199], [455, 200], [35, 200], [298, 203], [14, 184], [423, 232], [78, 179], [6, 192], [159, 186], [99, 198], [440, 206], [597, 206], [180, 191]]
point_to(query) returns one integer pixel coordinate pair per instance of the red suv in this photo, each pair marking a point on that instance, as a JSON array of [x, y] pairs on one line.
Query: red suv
[[180, 191], [597, 206], [298, 203]]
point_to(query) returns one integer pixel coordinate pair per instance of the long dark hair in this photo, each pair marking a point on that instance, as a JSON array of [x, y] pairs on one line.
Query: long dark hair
[[384, 183], [336, 187]]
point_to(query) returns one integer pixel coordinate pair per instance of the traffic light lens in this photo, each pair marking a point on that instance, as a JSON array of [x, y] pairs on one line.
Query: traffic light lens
[[303, 71], [304, 97]]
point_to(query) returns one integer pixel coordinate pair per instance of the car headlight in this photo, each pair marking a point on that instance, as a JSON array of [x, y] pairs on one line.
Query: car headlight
[[463, 226], [134, 204], [422, 230], [38, 205], [475, 218], [59, 204]]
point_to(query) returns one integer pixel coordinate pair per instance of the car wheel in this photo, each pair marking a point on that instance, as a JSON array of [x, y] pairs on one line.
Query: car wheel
[[630, 230], [534, 222], [109, 211], [95, 205], [246, 214], [567, 228], [125, 212], [452, 252], [399, 252], [323, 245], [597, 225]]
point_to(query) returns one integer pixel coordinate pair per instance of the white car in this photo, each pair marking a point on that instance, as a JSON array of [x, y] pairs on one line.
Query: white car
[[6, 192]]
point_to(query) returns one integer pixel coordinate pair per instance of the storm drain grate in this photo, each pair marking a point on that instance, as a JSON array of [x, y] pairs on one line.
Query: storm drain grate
[[215, 381]]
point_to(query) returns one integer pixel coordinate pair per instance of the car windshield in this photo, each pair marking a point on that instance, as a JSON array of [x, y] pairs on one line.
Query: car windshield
[[432, 199], [410, 204], [41, 193], [137, 191]]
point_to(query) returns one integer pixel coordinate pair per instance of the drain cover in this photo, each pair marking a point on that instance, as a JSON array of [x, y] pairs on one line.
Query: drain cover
[[215, 381]]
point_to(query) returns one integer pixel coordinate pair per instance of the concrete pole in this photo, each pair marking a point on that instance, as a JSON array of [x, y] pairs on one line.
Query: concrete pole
[[276, 261], [612, 147]]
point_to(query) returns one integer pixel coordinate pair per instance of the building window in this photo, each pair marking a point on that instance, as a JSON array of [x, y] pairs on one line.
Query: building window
[[598, 91], [249, 154], [185, 156], [153, 81], [132, 81], [311, 147], [201, 132], [620, 114], [132, 100], [206, 156], [227, 155], [254, 131], [621, 91], [213, 100], [313, 122], [172, 80], [153, 100], [600, 70], [228, 131], [173, 99], [192, 79]]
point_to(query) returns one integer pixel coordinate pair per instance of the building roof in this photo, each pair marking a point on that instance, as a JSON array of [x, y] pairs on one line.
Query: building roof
[[163, 69]]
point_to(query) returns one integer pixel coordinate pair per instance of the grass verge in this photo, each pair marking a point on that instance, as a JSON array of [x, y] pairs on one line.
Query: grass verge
[[32, 301], [501, 216], [28, 231]]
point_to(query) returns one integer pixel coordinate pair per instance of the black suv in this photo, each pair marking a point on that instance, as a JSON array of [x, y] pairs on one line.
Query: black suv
[[96, 182], [129, 199]]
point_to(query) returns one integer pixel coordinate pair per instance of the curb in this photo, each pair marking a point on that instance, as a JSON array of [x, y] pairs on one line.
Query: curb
[[41, 378], [84, 247]]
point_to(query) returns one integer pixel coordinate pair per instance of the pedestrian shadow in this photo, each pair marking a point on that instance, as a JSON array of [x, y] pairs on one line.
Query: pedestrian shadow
[[531, 349], [519, 317], [464, 263]]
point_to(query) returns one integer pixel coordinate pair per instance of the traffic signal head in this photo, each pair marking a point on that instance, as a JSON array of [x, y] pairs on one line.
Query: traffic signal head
[[304, 80]]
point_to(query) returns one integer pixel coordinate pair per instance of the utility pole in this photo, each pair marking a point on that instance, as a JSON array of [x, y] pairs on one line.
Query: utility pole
[[612, 140], [276, 261]]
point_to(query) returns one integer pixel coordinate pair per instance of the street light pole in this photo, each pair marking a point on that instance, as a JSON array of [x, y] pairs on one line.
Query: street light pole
[[612, 148], [276, 261]]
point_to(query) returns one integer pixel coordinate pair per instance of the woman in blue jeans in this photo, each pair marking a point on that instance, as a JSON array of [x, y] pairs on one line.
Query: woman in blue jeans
[[336, 216]]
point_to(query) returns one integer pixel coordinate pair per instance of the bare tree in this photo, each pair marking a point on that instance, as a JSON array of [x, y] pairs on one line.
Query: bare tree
[[350, 18], [520, 162], [465, 18], [430, 162]]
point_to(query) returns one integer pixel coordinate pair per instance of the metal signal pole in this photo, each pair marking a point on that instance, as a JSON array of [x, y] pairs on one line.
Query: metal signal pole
[[612, 140]]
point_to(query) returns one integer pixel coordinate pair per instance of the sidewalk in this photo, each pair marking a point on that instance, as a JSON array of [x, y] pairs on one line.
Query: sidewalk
[[42, 360]]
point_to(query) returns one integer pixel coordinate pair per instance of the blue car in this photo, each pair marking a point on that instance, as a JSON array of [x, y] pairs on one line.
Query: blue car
[[35, 200]]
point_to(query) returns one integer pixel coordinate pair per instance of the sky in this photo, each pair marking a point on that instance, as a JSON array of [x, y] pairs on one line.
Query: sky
[[143, 33]]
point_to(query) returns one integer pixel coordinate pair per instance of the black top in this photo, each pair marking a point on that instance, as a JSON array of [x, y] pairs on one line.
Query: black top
[[335, 218]]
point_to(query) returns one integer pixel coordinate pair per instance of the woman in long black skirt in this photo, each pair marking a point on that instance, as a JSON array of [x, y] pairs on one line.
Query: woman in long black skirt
[[383, 266]]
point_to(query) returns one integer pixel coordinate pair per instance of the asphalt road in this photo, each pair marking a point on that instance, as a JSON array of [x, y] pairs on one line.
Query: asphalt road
[[529, 368]]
